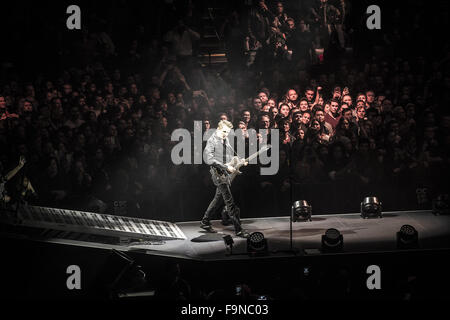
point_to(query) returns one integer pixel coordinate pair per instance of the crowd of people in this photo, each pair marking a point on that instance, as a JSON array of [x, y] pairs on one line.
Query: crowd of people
[[97, 136], [274, 33]]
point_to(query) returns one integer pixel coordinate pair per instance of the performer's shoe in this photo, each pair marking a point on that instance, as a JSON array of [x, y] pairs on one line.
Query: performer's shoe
[[243, 234], [206, 225]]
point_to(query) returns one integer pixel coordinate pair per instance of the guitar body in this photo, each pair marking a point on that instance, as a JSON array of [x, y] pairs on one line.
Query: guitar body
[[219, 177], [236, 163]]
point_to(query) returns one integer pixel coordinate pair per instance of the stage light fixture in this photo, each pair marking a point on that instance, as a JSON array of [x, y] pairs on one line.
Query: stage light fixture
[[407, 237], [228, 240], [441, 204], [301, 210], [371, 208], [332, 241], [256, 243]]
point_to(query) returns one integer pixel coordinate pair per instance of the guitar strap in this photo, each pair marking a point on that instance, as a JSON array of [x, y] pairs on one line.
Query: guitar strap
[[227, 144]]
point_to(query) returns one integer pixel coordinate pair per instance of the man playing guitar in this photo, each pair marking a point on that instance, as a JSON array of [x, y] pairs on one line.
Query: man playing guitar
[[222, 175]]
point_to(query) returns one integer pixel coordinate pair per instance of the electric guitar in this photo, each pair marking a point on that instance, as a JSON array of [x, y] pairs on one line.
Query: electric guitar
[[236, 163]]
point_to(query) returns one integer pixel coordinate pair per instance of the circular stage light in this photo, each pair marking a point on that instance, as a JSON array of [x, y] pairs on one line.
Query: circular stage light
[[407, 237], [371, 208], [332, 241], [256, 243], [301, 211]]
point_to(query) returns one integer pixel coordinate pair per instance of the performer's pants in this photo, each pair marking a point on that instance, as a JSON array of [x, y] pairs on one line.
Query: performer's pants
[[340, 33], [223, 195]]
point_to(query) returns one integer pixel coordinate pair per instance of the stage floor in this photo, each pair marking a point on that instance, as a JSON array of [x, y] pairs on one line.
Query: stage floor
[[360, 235]]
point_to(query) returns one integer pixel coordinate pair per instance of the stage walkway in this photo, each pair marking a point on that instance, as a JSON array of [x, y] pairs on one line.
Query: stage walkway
[[360, 235]]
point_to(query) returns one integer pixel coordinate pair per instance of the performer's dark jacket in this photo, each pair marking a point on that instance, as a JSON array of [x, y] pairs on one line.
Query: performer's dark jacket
[[218, 152]]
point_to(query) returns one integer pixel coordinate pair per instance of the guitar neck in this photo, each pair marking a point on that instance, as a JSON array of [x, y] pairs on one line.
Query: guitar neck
[[233, 175], [255, 154]]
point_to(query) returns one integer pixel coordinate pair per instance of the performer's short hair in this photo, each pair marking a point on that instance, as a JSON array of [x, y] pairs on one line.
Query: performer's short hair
[[225, 123]]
